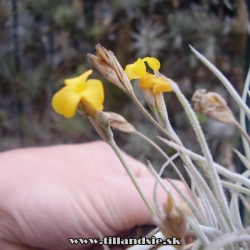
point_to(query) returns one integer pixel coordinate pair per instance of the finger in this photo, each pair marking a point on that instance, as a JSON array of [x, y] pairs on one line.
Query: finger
[[132, 210], [7, 245], [107, 159], [136, 167]]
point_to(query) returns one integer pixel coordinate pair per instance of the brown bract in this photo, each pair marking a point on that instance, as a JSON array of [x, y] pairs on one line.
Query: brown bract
[[174, 224], [214, 105], [107, 64], [118, 122]]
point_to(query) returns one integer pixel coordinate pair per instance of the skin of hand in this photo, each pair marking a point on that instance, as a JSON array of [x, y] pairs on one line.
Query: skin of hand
[[50, 194]]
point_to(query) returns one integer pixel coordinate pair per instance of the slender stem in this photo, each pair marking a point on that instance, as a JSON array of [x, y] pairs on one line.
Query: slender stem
[[174, 139], [160, 173], [242, 131], [198, 231], [230, 238], [202, 162], [206, 204], [243, 116], [245, 202], [162, 112], [234, 204], [151, 119], [197, 214], [165, 156], [132, 177], [200, 182], [235, 187], [243, 159], [158, 178], [211, 171], [172, 163], [224, 81]]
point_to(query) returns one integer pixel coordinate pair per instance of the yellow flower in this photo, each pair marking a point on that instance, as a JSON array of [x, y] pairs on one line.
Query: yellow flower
[[137, 70], [78, 89]]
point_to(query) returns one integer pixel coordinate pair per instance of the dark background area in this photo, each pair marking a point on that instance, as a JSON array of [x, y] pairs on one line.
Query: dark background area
[[42, 42]]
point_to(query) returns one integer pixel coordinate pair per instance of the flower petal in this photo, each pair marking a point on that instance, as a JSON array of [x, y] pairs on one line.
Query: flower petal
[[136, 70], [80, 80], [161, 86], [94, 94], [147, 81], [65, 101], [153, 63]]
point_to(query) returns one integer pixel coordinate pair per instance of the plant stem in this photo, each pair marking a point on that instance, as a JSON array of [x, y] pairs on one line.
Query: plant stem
[[167, 158], [151, 119], [243, 116], [224, 81], [164, 155], [245, 202], [132, 177], [242, 131], [235, 187], [211, 171]]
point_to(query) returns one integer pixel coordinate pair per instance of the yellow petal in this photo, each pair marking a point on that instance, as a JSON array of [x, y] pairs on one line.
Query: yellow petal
[[161, 86], [136, 70], [148, 81], [78, 81], [94, 94], [153, 63], [65, 101]]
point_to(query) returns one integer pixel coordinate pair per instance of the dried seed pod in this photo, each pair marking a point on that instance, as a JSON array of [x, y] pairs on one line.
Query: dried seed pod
[[174, 224], [107, 64], [118, 122], [213, 105]]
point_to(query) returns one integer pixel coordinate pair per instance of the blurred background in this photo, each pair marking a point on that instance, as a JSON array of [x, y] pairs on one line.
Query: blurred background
[[42, 42]]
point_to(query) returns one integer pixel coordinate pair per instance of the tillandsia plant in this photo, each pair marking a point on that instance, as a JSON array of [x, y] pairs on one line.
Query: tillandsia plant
[[206, 218]]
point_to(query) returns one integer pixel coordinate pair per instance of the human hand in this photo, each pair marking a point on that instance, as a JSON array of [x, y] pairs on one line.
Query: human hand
[[50, 194]]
